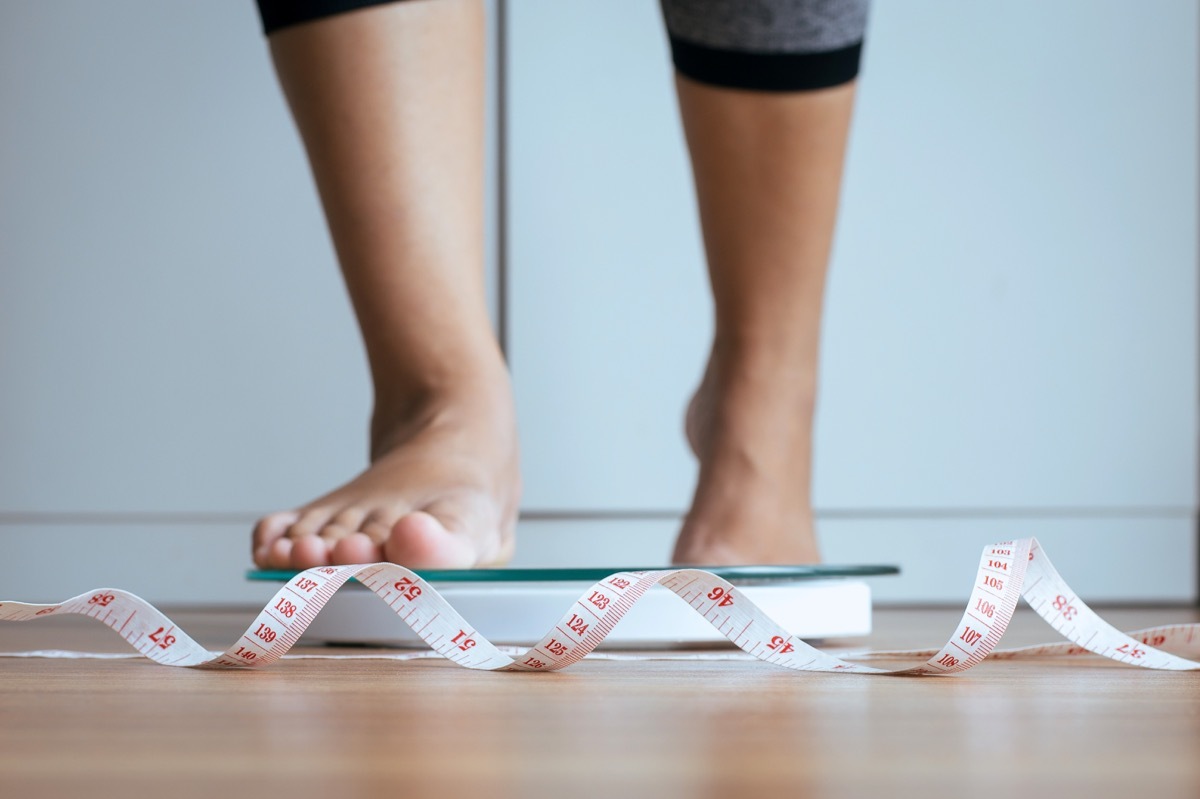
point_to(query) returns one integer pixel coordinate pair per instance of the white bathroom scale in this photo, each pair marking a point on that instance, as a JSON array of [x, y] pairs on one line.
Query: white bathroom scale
[[519, 606]]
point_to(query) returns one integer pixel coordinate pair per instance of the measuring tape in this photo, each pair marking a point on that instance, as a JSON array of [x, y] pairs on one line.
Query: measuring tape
[[1007, 571]]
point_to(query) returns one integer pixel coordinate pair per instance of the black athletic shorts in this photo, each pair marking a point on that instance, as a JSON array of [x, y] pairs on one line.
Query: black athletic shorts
[[765, 45]]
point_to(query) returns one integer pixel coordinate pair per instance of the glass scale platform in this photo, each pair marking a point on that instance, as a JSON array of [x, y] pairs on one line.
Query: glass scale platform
[[518, 606]]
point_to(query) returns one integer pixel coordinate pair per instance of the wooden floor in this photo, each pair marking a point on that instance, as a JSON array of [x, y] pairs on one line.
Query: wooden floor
[[602, 728]]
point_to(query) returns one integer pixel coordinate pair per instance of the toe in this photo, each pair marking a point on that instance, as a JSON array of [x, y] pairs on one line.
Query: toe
[[309, 523], [327, 541], [421, 540], [378, 531], [279, 554], [348, 519], [268, 529], [332, 533], [474, 520], [356, 548], [378, 524], [310, 551]]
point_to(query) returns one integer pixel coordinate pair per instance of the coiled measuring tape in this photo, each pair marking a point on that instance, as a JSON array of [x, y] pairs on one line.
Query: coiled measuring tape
[[1007, 571]]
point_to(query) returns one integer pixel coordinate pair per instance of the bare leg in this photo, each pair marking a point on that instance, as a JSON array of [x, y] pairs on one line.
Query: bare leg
[[389, 102], [768, 170]]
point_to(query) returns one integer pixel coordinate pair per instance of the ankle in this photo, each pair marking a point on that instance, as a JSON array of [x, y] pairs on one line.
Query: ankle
[[767, 371], [754, 403], [463, 386]]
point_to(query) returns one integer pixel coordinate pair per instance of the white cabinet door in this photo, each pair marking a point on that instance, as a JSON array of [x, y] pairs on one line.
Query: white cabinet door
[[1011, 332]]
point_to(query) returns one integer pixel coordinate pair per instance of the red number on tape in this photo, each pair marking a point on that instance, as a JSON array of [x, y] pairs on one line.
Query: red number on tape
[[162, 640], [577, 625], [721, 594], [286, 608], [103, 600], [780, 645], [1067, 610], [407, 588], [464, 643], [265, 633]]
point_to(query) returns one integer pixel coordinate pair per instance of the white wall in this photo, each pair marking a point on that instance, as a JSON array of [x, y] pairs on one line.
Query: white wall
[[1011, 337]]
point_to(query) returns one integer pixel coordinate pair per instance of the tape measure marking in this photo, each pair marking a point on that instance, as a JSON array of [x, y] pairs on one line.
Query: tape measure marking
[[1007, 572]]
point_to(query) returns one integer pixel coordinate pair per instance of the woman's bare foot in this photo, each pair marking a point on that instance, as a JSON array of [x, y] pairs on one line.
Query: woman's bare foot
[[750, 425], [442, 490], [398, 160]]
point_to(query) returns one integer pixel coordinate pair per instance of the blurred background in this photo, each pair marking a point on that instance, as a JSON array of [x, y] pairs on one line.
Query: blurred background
[[1010, 343]]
